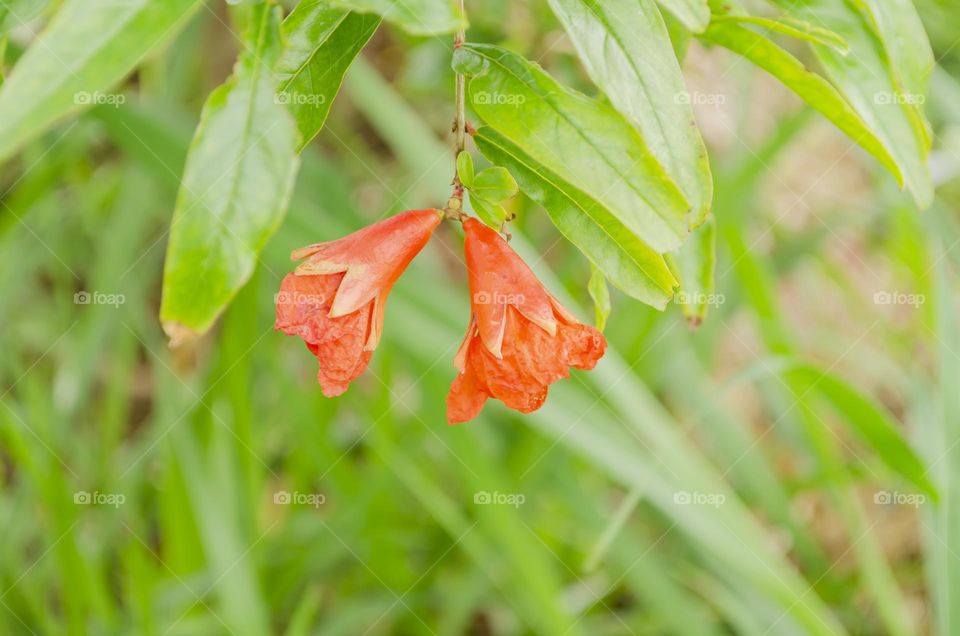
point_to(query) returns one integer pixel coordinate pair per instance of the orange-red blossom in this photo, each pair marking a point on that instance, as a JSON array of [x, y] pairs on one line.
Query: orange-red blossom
[[335, 299], [519, 341], [520, 338]]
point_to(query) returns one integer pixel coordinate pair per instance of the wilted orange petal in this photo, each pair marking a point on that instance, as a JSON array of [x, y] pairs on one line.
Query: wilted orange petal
[[303, 306]]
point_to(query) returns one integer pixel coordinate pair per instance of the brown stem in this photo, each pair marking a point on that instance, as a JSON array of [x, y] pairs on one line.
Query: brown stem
[[454, 209]]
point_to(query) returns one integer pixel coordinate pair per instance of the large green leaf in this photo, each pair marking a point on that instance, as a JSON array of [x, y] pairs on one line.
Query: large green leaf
[[625, 47], [813, 88], [420, 17], [694, 264], [235, 189], [15, 13], [321, 42], [694, 14], [799, 29], [586, 143], [866, 419], [89, 46], [869, 82], [627, 262], [911, 57]]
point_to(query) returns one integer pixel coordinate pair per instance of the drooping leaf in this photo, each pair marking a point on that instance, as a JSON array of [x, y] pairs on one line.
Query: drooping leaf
[[321, 43], [494, 184], [15, 13], [694, 14], [910, 55], [420, 17], [799, 29], [813, 88], [626, 49], [235, 189], [867, 80], [493, 214], [89, 46], [465, 169], [600, 295], [693, 264], [868, 421], [587, 143], [629, 264], [490, 188], [467, 63]]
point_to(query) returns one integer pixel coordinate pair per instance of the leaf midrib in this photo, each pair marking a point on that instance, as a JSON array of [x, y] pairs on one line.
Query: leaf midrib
[[577, 204], [313, 54], [606, 160]]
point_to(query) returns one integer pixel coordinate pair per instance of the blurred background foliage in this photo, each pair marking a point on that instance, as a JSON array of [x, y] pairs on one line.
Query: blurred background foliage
[[747, 477]]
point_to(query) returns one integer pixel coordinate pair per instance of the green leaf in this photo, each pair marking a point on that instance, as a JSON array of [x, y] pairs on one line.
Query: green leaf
[[813, 88], [868, 420], [495, 185], [626, 49], [419, 17], [465, 169], [799, 29], [236, 185], [16, 13], [693, 264], [321, 43], [600, 295], [869, 83], [88, 47], [491, 213], [587, 143], [629, 264], [694, 14], [911, 58], [468, 63]]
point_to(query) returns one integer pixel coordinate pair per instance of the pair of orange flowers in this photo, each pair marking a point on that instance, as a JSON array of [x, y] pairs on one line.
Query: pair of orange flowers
[[519, 341]]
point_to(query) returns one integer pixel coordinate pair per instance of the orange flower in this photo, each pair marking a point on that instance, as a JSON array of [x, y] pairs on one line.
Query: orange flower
[[520, 339], [335, 300]]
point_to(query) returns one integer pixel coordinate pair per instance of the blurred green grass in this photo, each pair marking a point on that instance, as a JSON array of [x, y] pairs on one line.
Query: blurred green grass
[[695, 483]]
